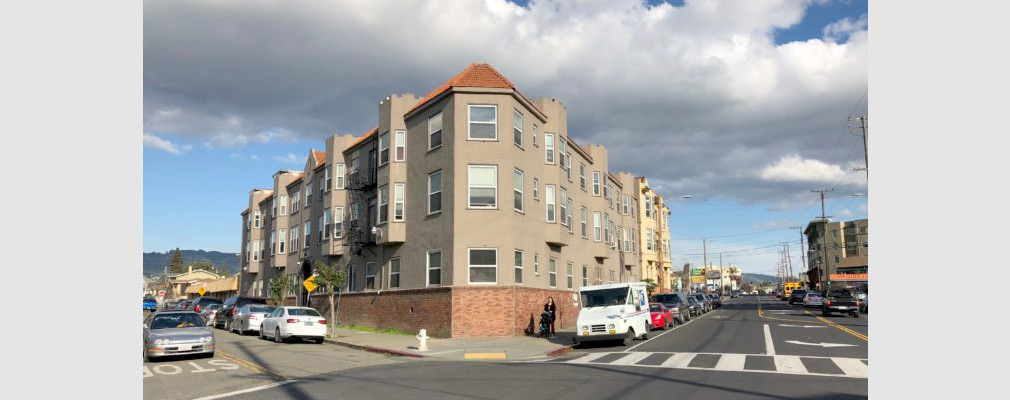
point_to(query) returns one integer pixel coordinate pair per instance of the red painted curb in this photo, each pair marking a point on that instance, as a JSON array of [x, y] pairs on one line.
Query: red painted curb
[[392, 352], [559, 351]]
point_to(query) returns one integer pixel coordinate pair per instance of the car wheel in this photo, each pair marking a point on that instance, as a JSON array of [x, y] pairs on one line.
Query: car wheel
[[262, 335], [645, 333], [319, 340], [209, 355], [628, 338], [277, 336], [575, 343]]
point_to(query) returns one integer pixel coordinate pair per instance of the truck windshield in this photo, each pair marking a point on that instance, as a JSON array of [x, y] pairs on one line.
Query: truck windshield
[[604, 297]]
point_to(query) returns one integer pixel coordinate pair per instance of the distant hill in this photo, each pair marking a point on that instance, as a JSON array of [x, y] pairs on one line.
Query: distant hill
[[155, 262], [758, 278]]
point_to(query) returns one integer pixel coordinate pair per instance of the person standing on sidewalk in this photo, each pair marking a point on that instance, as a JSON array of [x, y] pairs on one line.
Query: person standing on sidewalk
[[551, 309]]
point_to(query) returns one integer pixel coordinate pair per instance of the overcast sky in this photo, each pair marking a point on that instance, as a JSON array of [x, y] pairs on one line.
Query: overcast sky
[[742, 104]]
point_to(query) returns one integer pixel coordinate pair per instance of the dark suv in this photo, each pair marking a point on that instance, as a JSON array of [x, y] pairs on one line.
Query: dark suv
[[201, 303], [230, 306], [704, 301], [796, 296], [677, 304]]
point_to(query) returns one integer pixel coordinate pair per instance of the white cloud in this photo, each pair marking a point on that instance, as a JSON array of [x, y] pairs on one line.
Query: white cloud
[[254, 157], [845, 28], [775, 224], [290, 158], [150, 140], [794, 168], [845, 213]]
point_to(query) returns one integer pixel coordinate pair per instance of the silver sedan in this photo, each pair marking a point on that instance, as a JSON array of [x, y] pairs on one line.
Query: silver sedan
[[812, 299], [168, 333]]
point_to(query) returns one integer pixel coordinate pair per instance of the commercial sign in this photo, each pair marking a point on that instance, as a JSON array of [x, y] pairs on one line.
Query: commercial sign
[[698, 279], [849, 277], [713, 274]]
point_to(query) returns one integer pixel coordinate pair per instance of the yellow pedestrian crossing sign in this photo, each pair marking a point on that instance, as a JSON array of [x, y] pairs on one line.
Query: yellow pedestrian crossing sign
[[202, 291], [310, 284]]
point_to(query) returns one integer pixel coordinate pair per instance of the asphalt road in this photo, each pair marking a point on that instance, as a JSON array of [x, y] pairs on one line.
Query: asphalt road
[[751, 348]]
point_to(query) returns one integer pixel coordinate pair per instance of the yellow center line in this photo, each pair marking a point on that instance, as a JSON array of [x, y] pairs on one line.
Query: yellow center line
[[823, 320]]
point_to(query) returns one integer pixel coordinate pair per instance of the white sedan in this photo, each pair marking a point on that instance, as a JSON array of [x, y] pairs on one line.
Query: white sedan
[[812, 299], [294, 322]]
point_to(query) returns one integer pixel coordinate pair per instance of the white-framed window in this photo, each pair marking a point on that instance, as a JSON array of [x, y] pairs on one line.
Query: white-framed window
[[517, 190], [585, 275], [435, 131], [482, 186], [570, 211], [273, 208], [280, 240], [626, 200], [328, 178], [596, 226], [370, 276], [562, 151], [570, 269], [383, 148], [323, 221], [483, 265], [551, 203], [606, 227], [534, 135], [284, 205], [517, 128], [338, 222], [582, 176], [563, 199], [308, 194], [648, 239], [599, 276], [398, 202], [483, 122], [633, 200], [321, 187], [272, 239], [351, 278], [434, 267], [634, 242], [383, 214], [519, 266], [307, 228], [394, 272], [627, 239], [341, 175], [400, 146], [294, 238], [549, 148], [648, 207], [295, 201], [552, 271], [536, 189], [435, 192], [257, 219], [596, 183], [585, 223], [536, 264], [256, 250], [611, 277]]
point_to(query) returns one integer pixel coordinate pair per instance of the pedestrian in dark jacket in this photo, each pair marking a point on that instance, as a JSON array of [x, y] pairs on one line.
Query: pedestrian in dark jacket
[[551, 309]]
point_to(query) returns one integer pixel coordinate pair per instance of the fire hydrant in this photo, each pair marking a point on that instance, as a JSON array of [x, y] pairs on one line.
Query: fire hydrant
[[423, 337]]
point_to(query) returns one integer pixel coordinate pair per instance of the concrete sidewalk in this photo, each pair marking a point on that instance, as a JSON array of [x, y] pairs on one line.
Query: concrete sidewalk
[[498, 348]]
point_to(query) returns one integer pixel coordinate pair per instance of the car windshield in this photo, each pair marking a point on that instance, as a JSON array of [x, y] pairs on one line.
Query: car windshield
[[839, 293], [260, 309], [181, 320], [813, 295], [604, 297], [692, 300], [700, 297], [655, 308], [303, 311]]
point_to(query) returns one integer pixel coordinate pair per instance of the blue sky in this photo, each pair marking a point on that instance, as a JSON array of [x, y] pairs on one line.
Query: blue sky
[[722, 103]]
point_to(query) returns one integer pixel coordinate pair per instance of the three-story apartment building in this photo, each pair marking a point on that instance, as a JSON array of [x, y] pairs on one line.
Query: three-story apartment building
[[462, 212], [654, 228]]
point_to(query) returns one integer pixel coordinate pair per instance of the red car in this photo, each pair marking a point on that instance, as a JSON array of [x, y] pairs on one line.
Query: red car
[[662, 318]]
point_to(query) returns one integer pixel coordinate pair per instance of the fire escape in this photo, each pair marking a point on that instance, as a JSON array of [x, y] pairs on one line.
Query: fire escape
[[361, 184]]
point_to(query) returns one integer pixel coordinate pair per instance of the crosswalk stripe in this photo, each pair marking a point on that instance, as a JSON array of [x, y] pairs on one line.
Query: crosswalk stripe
[[631, 358], [679, 360], [588, 358], [852, 367], [731, 362], [790, 364]]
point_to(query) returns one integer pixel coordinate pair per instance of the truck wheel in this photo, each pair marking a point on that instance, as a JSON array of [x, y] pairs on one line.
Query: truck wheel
[[645, 333], [628, 337]]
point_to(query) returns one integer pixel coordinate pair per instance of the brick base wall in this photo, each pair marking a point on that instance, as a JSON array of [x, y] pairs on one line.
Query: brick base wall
[[505, 311], [405, 310]]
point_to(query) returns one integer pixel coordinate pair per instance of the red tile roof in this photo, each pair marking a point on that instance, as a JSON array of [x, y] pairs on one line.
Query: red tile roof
[[320, 157], [476, 75], [362, 138]]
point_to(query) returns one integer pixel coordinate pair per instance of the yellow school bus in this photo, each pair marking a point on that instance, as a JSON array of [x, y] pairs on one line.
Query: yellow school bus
[[789, 289]]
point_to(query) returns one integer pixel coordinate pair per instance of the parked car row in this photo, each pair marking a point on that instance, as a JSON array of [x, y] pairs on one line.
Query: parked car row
[[246, 315], [833, 301], [669, 308]]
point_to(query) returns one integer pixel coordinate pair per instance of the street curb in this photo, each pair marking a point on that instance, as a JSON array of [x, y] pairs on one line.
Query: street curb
[[372, 349], [559, 351]]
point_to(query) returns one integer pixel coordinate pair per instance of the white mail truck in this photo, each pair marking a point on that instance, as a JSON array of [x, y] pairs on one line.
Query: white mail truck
[[616, 311]]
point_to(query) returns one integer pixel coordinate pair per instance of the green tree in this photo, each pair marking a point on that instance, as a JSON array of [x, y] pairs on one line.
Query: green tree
[[651, 286], [175, 266], [204, 265], [279, 287], [331, 279]]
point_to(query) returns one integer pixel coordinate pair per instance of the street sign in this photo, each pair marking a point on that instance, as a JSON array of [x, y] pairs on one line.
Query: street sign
[[310, 284], [202, 291]]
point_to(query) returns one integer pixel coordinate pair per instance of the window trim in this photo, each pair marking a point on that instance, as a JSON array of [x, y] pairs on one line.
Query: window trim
[[281, 235], [470, 187], [340, 171], [516, 113], [596, 183], [536, 264], [552, 271], [469, 123], [582, 177], [518, 268], [384, 137], [518, 191], [428, 268], [570, 274], [585, 223], [381, 217], [536, 189], [549, 157], [469, 274], [400, 190], [338, 214], [597, 228], [439, 192], [399, 142], [389, 284], [441, 130], [372, 263], [549, 193]]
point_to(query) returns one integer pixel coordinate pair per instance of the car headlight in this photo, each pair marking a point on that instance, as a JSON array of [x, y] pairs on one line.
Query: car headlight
[[585, 327], [208, 339], [160, 342], [611, 326]]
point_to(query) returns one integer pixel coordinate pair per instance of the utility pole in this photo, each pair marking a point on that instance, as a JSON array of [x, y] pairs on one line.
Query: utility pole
[[866, 153], [704, 267], [823, 268], [720, 272], [803, 252]]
